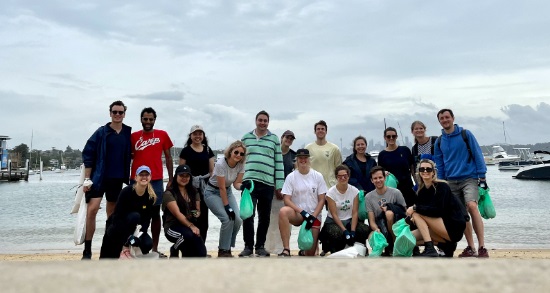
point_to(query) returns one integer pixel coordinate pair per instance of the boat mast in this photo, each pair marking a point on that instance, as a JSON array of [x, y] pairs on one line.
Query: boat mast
[[504, 130]]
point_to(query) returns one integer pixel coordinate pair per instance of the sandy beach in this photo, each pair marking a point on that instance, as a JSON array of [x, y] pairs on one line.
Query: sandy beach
[[505, 271], [494, 254]]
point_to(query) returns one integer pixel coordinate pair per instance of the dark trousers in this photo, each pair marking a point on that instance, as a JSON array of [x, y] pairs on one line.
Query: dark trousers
[[202, 220], [262, 196], [117, 232], [185, 241]]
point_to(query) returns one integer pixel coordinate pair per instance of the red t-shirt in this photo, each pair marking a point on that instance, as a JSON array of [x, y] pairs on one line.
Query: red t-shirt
[[147, 149]]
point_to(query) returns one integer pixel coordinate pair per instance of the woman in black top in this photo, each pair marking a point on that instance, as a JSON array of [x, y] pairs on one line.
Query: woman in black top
[[199, 157], [438, 214], [133, 207]]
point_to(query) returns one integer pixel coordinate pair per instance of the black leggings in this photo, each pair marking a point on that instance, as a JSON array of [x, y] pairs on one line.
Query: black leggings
[[185, 241], [118, 231]]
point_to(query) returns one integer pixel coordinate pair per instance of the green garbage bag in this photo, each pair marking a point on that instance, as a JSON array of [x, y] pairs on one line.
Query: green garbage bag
[[246, 206], [485, 204], [404, 239], [305, 238], [391, 181], [362, 209], [377, 242]]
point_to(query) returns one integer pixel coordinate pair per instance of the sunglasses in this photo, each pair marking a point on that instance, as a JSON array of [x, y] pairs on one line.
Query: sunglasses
[[391, 136], [148, 119], [425, 169], [117, 112], [238, 153], [345, 176]]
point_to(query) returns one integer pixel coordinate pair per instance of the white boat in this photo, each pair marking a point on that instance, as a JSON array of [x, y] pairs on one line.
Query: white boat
[[526, 158], [500, 155], [536, 172], [374, 154]]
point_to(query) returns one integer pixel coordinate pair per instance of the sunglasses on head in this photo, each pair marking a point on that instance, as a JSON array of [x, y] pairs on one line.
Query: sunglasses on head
[[117, 112], [425, 169], [147, 119], [391, 136], [236, 152]]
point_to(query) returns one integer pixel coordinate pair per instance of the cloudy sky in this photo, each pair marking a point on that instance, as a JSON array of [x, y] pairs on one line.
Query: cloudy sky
[[217, 63]]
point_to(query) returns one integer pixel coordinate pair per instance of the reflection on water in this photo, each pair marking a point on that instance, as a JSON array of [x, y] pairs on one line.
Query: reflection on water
[[34, 215]]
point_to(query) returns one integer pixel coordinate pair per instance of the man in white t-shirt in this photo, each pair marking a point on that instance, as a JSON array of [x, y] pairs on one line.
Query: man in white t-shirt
[[304, 196], [325, 156]]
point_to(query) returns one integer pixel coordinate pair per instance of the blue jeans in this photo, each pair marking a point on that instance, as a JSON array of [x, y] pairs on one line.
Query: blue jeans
[[229, 228]]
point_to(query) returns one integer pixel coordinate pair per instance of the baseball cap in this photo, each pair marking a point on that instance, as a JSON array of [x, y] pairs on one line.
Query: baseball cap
[[195, 128], [143, 168], [183, 169], [302, 153], [289, 133]]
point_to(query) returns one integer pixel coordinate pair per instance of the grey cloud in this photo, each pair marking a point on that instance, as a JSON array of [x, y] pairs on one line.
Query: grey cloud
[[163, 96]]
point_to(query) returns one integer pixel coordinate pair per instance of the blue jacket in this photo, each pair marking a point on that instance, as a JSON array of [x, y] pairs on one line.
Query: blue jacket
[[451, 156], [95, 152], [356, 177]]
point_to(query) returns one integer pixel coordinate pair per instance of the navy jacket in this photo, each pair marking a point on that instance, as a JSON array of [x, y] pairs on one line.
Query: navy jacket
[[95, 152], [356, 177]]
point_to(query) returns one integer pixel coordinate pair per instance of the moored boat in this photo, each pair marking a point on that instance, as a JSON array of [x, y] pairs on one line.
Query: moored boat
[[536, 172]]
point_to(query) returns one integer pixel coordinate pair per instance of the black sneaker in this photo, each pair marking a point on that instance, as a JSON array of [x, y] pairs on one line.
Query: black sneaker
[[174, 253], [247, 251], [260, 251], [86, 255]]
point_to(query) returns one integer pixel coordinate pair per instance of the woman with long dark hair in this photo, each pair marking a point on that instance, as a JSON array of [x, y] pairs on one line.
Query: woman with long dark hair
[[199, 157], [360, 163], [180, 204], [399, 161], [438, 214]]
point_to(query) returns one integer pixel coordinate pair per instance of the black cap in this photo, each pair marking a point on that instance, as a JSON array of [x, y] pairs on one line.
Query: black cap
[[302, 153], [183, 169]]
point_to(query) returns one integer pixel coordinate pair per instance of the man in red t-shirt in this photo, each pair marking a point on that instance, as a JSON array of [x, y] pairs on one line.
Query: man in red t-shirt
[[147, 148]]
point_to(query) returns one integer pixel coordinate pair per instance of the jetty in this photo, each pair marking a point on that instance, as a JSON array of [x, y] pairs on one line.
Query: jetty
[[7, 173]]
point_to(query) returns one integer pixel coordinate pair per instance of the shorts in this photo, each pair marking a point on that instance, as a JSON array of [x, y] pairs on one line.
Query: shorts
[[316, 224], [158, 188], [111, 187], [466, 190]]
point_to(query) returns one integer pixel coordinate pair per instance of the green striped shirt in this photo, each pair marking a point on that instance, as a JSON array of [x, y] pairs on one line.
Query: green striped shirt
[[264, 159]]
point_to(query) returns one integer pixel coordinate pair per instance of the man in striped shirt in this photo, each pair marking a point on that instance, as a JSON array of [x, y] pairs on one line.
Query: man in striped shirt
[[264, 166]]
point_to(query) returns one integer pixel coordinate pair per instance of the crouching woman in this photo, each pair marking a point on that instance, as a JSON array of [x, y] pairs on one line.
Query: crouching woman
[[133, 207], [179, 203], [438, 214]]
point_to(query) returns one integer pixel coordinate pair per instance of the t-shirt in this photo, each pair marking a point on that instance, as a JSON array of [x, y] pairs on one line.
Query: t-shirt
[[324, 159], [148, 148], [117, 144], [222, 169], [288, 161], [185, 207], [344, 201], [304, 190], [198, 162], [374, 200], [398, 162]]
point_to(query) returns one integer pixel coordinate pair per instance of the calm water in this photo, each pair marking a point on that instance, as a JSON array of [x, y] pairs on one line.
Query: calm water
[[34, 215]]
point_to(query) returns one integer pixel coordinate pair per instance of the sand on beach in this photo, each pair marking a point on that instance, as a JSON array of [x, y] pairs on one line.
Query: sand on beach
[[313, 274]]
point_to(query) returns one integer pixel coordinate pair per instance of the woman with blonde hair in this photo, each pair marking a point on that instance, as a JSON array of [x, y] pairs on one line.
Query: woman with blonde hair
[[133, 207], [219, 195], [438, 214], [423, 145]]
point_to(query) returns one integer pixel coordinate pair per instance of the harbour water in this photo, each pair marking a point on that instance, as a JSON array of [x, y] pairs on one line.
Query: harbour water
[[34, 215]]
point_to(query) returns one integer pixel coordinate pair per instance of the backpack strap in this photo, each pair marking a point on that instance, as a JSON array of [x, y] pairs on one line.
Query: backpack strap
[[465, 138]]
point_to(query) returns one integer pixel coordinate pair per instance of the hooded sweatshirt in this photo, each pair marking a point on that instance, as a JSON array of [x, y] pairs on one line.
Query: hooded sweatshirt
[[451, 156]]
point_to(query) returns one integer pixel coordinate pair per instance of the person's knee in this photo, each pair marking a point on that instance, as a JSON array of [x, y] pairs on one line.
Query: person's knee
[[133, 219], [389, 216], [472, 207], [285, 212]]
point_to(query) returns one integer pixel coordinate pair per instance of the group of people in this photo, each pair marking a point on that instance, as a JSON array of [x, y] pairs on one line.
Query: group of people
[[287, 188]]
